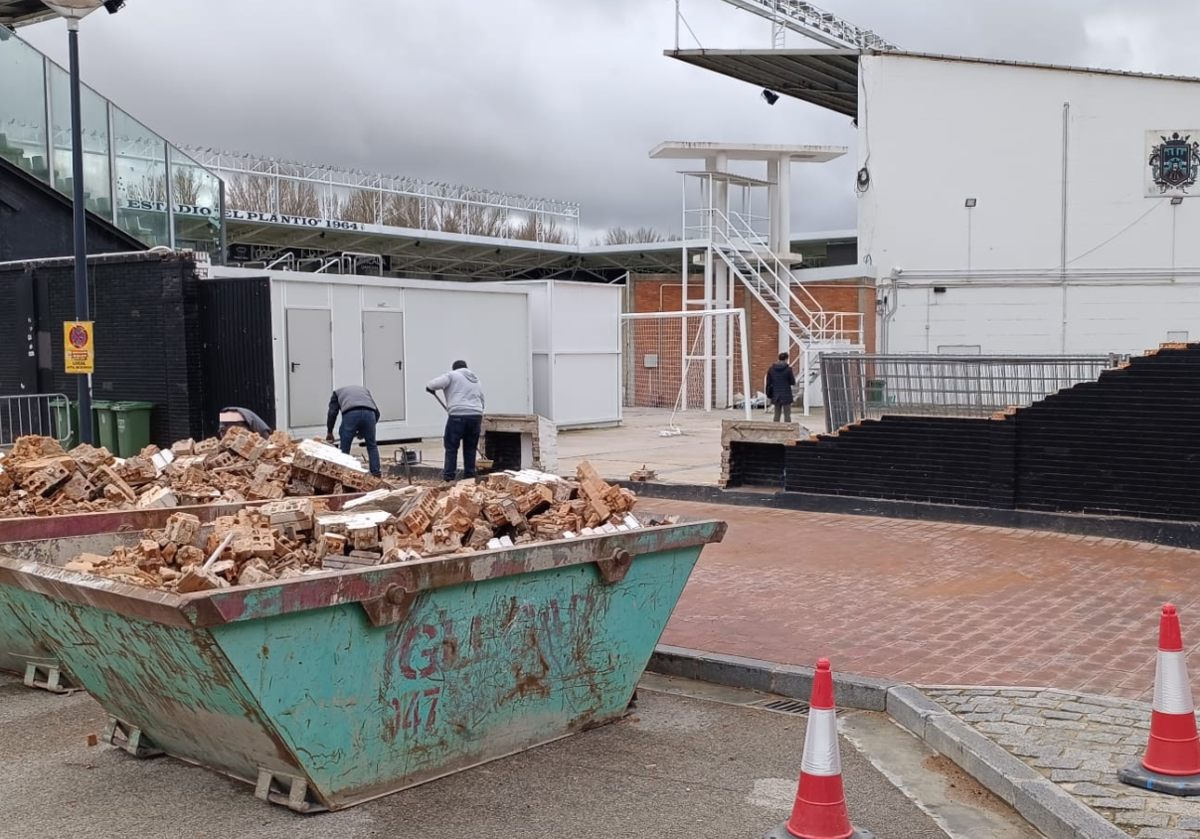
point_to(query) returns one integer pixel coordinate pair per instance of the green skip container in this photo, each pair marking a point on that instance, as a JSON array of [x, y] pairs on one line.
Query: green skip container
[[132, 420], [333, 689]]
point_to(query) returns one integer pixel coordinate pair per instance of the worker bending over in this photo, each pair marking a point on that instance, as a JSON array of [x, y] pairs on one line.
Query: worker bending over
[[464, 423], [242, 418], [360, 415]]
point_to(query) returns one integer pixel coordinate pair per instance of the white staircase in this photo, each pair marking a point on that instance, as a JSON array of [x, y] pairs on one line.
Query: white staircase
[[813, 329]]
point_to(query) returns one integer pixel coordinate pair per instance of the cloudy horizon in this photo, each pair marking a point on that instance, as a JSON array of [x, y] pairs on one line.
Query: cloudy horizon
[[555, 98]]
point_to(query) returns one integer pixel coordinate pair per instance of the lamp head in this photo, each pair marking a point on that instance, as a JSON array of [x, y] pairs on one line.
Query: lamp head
[[73, 10]]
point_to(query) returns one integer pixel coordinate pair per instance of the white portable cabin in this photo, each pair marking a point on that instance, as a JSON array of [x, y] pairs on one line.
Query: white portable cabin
[[392, 336], [576, 352]]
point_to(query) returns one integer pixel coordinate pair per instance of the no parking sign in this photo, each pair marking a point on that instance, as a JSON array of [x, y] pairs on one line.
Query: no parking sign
[[79, 351]]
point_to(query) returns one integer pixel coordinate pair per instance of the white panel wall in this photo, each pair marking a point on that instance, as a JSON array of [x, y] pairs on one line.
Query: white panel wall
[[489, 329], [1029, 319], [576, 352], [933, 133]]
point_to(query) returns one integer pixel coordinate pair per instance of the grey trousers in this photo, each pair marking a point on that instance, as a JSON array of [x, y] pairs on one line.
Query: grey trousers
[[786, 409]]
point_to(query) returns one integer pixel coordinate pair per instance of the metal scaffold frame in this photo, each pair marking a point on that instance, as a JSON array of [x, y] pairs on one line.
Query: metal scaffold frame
[[811, 22], [354, 195]]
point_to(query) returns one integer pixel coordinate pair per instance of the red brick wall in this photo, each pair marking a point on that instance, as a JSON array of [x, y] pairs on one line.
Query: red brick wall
[[662, 293]]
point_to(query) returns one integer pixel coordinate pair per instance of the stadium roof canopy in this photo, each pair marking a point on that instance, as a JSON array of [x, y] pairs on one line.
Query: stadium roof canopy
[[21, 12], [829, 77]]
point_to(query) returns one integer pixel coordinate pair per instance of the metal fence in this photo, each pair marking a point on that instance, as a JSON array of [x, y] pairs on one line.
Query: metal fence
[[859, 386], [44, 414]]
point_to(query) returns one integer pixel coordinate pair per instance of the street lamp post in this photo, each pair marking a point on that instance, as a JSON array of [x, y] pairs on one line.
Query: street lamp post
[[75, 11]]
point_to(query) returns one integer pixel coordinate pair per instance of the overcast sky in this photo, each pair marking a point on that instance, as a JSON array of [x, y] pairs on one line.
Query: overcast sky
[[557, 98]]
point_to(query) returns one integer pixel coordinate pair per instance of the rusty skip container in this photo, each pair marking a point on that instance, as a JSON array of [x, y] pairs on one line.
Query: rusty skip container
[[334, 689], [56, 540]]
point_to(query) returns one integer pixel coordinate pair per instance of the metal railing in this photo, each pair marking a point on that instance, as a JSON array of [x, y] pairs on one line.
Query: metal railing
[[858, 386], [43, 414]]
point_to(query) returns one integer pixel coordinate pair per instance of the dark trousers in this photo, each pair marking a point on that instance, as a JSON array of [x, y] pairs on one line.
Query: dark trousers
[[464, 430], [784, 408], [360, 422]]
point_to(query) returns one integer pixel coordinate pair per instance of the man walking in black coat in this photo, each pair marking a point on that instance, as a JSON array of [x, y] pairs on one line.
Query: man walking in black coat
[[780, 381]]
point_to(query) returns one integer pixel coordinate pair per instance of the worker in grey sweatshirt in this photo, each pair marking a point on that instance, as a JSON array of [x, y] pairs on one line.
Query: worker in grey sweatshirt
[[359, 417], [464, 423]]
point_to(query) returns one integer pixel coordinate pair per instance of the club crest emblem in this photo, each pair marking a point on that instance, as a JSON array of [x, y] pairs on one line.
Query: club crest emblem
[[1175, 162]]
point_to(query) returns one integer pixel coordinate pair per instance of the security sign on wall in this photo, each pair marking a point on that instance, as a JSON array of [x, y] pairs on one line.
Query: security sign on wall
[[79, 350], [1172, 162]]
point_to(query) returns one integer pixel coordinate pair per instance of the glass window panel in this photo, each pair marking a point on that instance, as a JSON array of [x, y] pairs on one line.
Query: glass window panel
[[23, 106], [141, 167], [97, 187], [196, 195]]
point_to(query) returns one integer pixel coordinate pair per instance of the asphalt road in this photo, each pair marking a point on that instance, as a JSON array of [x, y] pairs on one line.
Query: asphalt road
[[679, 768]]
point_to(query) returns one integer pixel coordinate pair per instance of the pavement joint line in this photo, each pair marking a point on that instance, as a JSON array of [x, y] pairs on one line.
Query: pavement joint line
[[1040, 801]]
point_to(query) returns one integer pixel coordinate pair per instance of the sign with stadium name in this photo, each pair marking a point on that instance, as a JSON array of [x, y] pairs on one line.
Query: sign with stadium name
[[295, 221], [248, 215], [161, 207]]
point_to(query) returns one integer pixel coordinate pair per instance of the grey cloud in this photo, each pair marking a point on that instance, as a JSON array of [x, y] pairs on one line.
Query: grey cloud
[[562, 98]]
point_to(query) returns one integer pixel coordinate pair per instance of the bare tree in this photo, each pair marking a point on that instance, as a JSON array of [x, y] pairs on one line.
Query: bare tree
[[641, 236], [148, 188], [547, 231], [298, 198], [402, 211], [361, 206], [251, 193], [185, 185]]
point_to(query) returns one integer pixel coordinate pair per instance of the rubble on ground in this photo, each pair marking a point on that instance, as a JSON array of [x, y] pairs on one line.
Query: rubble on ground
[[39, 478], [292, 537]]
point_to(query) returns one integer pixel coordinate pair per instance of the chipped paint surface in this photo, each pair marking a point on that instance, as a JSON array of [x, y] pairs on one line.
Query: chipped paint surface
[[486, 656]]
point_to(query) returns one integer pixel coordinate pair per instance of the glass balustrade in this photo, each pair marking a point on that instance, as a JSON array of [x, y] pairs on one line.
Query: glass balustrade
[[132, 177]]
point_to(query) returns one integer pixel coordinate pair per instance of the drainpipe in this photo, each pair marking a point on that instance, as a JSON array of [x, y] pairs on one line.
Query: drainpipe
[[1066, 159]]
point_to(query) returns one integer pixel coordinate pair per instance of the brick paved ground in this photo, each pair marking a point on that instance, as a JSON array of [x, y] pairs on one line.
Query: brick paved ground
[[1079, 741], [933, 603]]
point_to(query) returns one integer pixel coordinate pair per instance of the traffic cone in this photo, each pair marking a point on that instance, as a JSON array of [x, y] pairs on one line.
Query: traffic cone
[[820, 809], [1172, 760]]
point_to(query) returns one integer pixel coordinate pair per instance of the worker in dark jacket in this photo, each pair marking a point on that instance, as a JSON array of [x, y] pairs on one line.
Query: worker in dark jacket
[[243, 418], [780, 381], [359, 417]]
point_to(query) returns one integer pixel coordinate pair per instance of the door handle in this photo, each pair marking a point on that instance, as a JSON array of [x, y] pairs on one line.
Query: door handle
[[295, 364], [399, 365]]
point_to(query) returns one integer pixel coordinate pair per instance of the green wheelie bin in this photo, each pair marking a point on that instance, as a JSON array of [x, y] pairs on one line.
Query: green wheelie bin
[[132, 427]]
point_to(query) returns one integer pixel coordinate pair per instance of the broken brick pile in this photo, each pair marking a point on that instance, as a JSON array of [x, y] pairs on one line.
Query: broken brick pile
[[290, 538], [39, 478]]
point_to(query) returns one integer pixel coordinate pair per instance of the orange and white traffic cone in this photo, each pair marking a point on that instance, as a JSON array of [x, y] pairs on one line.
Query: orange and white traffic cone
[[820, 809], [1172, 760]]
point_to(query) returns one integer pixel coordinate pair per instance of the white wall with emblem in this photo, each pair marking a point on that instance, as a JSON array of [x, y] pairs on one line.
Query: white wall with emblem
[[934, 133], [392, 336], [938, 135]]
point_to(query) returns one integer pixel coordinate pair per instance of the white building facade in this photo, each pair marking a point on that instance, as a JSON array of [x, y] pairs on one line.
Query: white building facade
[[1011, 208]]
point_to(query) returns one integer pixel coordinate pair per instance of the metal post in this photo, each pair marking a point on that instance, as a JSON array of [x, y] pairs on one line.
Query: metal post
[[223, 240], [81, 280], [745, 365]]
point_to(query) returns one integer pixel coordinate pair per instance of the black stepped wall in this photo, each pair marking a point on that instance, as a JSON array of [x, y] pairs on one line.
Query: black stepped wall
[[37, 222], [1128, 444], [941, 460], [756, 464], [148, 347]]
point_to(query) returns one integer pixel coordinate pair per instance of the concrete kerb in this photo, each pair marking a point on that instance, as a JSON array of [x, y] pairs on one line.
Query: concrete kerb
[[1039, 801]]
